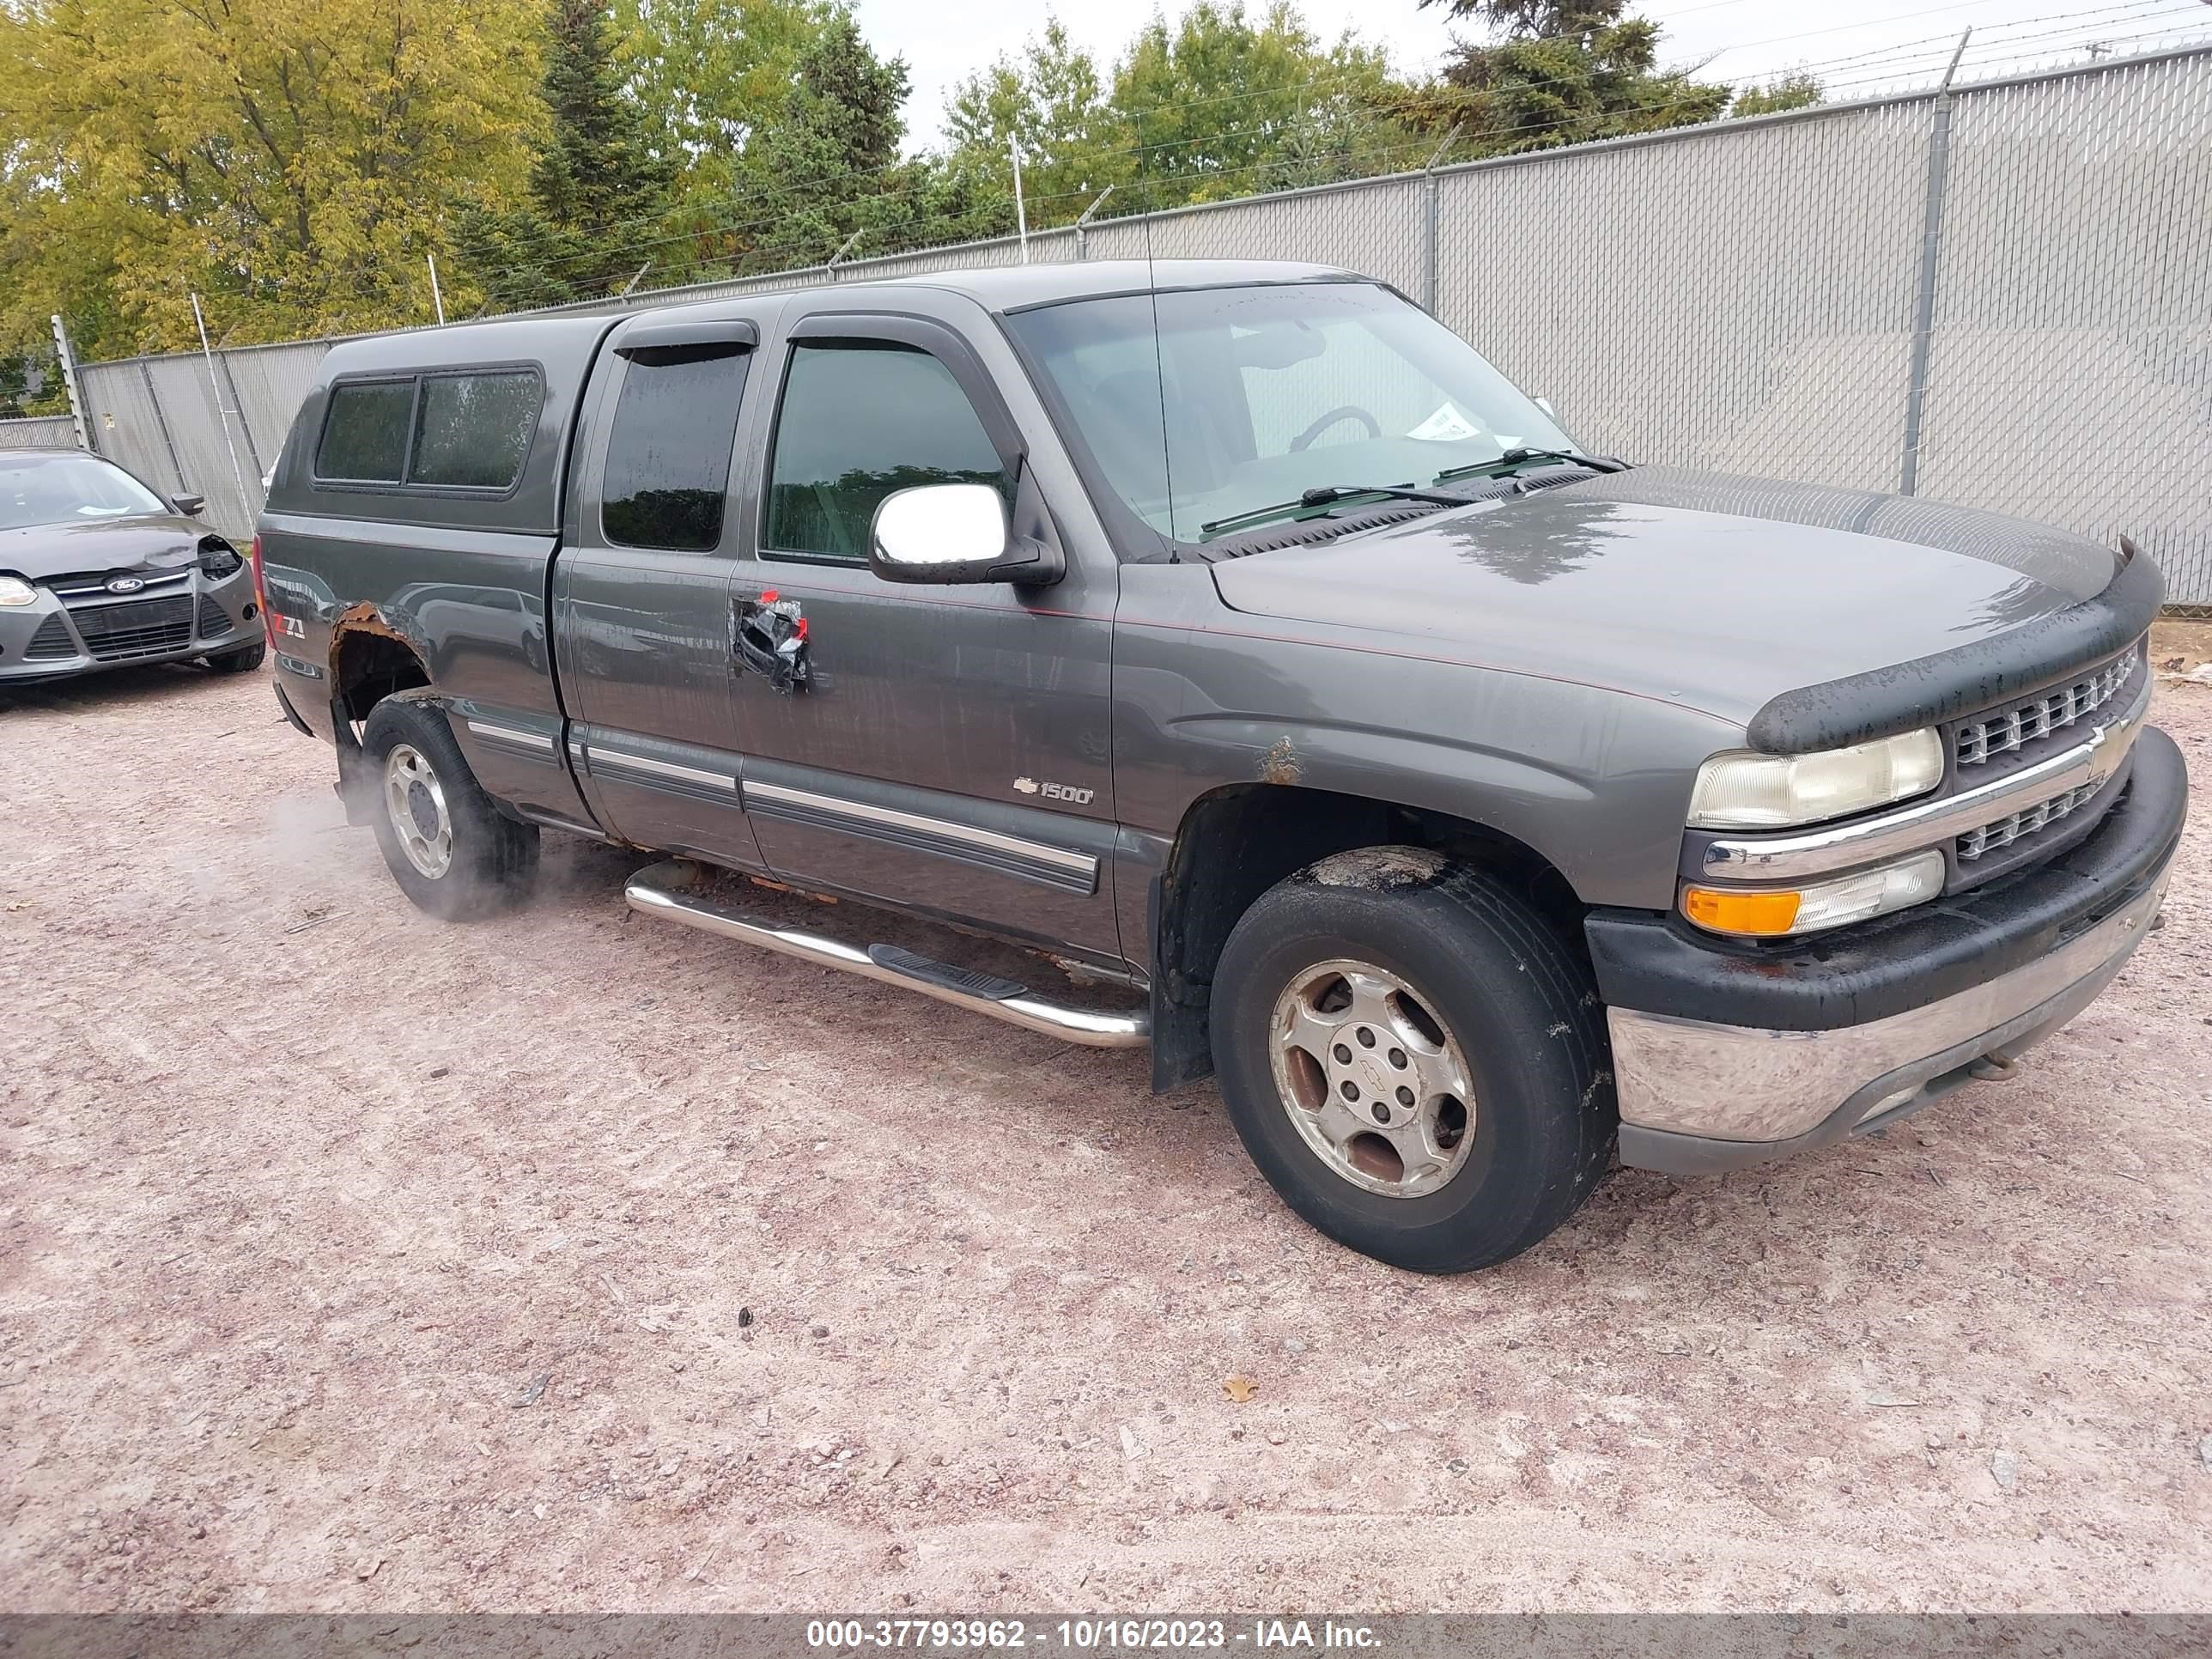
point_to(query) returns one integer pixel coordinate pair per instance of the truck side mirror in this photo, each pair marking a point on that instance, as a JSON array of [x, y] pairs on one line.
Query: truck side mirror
[[953, 532]]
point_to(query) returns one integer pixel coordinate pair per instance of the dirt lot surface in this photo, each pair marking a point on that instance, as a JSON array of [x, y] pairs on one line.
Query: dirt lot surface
[[352, 1260]]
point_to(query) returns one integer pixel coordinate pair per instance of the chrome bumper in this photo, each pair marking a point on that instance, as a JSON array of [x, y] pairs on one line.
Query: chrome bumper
[[1697, 1096]]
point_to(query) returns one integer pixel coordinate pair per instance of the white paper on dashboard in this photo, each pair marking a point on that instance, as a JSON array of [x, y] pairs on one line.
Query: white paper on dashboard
[[1447, 425]]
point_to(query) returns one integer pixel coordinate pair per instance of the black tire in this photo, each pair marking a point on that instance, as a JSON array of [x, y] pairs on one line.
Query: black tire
[[493, 860], [243, 660], [1518, 997]]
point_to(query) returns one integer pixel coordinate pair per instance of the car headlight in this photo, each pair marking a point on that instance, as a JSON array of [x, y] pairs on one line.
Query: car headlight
[[218, 558], [1742, 790], [13, 590], [1812, 906]]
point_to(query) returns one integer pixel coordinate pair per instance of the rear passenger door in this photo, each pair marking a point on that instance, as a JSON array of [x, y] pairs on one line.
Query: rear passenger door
[[640, 588], [950, 749]]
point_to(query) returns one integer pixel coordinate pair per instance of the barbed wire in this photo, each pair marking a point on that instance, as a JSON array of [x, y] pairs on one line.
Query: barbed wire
[[464, 244]]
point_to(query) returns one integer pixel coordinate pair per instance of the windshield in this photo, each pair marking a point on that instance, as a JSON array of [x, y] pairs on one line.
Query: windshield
[[68, 488], [1254, 395]]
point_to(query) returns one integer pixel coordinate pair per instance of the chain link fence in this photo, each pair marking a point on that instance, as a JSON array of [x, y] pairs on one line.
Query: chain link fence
[[39, 432], [1754, 296]]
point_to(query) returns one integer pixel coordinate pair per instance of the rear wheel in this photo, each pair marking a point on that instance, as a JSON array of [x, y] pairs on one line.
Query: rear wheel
[[243, 660], [1414, 1058], [447, 845]]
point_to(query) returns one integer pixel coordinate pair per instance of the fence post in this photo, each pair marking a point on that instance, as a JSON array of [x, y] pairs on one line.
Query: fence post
[[1923, 305], [238, 407], [221, 415], [1429, 192], [69, 384], [160, 420], [1083, 224]]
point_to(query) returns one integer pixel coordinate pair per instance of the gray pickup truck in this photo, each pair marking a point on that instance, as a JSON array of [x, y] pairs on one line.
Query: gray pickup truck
[[1469, 803]]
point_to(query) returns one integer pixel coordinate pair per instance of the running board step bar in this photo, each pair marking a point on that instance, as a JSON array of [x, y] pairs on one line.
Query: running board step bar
[[659, 891]]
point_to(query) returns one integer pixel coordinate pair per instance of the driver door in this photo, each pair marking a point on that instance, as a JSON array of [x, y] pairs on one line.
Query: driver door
[[949, 749]]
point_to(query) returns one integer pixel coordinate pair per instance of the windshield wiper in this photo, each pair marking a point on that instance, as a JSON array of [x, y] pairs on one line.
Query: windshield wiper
[[1515, 457], [1327, 495]]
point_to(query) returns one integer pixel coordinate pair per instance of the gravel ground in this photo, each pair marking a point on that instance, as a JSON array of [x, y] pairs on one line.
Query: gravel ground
[[350, 1260]]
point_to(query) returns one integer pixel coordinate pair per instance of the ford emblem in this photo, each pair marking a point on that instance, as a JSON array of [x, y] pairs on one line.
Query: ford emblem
[[125, 584]]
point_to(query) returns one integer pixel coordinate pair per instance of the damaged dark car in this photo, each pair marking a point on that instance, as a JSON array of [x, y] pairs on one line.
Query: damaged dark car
[[1474, 805], [99, 571]]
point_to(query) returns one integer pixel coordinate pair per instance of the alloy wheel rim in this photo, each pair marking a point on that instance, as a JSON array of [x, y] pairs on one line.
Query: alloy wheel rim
[[1372, 1079], [415, 801]]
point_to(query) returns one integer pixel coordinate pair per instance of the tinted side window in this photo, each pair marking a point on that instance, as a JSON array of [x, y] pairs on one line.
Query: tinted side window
[[474, 430], [668, 454], [365, 433], [859, 421]]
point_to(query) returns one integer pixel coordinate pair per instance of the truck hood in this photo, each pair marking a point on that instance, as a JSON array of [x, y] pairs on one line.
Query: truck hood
[[154, 540], [1718, 592]]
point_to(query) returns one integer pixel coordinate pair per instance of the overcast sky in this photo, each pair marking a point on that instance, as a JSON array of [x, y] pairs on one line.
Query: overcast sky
[[1895, 44]]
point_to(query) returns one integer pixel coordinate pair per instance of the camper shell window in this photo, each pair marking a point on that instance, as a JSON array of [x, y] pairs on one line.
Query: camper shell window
[[466, 431]]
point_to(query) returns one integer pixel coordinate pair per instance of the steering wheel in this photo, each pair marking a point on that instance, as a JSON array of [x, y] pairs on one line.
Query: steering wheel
[[1341, 412]]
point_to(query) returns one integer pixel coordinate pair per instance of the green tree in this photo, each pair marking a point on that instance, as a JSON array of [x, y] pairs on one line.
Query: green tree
[[1563, 72], [1797, 90], [292, 161], [1053, 99], [599, 183], [827, 165], [713, 75], [1222, 105]]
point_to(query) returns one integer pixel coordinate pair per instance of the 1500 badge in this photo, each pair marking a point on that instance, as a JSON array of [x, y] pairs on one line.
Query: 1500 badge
[[1060, 791]]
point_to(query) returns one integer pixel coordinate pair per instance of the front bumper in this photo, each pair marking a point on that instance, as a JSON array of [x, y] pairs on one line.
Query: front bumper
[[1723, 1060], [50, 639]]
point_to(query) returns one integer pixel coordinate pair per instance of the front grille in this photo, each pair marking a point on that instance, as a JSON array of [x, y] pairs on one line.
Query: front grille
[[214, 620], [2027, 822], [50, 643], [1979, 740], [145, 628], [94, 589]]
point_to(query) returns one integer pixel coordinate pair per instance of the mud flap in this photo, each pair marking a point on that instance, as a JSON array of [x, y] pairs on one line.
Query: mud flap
[[355, 786]]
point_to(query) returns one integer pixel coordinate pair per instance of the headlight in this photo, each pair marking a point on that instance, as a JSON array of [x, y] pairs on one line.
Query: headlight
[[1774, 912], [13, 590], [218, 558], [1742, 790]]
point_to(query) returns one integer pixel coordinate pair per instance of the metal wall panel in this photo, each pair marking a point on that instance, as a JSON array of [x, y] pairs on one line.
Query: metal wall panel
[[1740, 296]]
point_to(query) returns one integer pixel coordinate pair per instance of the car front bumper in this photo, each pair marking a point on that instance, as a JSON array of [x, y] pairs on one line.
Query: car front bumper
[[1726, 1060], [50, 640]]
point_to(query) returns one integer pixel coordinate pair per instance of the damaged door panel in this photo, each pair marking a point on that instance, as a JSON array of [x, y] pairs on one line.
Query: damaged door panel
[[943, 748]]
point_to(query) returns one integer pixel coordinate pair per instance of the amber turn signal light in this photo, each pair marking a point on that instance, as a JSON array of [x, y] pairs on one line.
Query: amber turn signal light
[[1760, 915]]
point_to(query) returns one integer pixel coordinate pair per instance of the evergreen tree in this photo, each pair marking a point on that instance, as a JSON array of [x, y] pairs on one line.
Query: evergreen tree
[[598, 184], [1563, 72], [827, 165]]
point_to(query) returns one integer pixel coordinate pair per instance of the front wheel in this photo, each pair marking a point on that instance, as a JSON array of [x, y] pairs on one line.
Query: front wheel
[[243, 660], [1414, 1058], [447, 845]]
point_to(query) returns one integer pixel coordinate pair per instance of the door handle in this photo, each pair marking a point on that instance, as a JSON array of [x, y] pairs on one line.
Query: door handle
[[767, 637]]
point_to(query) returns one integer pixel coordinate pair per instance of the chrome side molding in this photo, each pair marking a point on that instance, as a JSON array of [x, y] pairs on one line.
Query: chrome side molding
[[659, 891]]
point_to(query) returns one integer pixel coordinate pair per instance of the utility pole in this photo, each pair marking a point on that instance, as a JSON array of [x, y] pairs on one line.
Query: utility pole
[[1021, 214], [437, 300], [221, 415]]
